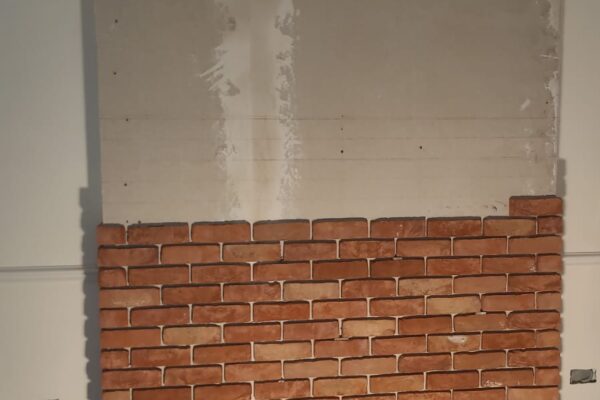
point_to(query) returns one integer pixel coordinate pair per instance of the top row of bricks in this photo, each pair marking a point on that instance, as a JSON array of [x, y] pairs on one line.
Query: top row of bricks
[[521, 207]]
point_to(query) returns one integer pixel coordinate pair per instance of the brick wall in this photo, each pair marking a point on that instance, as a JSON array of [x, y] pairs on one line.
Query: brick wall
[[393, 308]]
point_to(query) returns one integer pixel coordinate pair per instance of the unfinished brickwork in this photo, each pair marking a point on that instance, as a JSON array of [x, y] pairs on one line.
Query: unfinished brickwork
[[387, 309]]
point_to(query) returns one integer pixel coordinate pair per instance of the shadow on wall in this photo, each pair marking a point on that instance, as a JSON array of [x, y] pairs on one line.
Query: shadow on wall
[[90, 201]]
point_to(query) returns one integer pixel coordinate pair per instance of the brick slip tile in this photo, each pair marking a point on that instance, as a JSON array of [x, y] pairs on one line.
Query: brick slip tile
[[116, 395], [552, 225], [112, 277], [547, 357], [453, 304], [390, 396], [423, 247], [549, 263], [311, 368], [310, 250], [252, 371], [340, 269], [160, 356], [533, 393], [368, 365], [221, 273], [480, 360], [158, 233], [252, 251], [342, 347], [507, 226], [508, 264], [379, 287], [463, 226], [391, 307], [264, 332], [137, 337], [480, 394], [191, 334], [480, 322], [114, 318], [425, 325], [534, 320], [281, 271], [534, 283], [453, 380], [367, 248], [453, 266], [164, 393], [424, 286], [282, 351], [287, 229], [479, 246], [535, 244], [369, 327], [281, 389], [340, 228], [223, 353], [507, 340], [547, 338], [398, 345], [343, 386], [293, 310], [306, 330], [129, 297], [430, 395], [191, 294], [383, 268], [507, 377], [252, 292], [190, 253], [424, 362], [119, 256], [479, 284], [214, 232], [445, 343], [549, 301], [311, 290], [239, 391], [131, 378], [110, 234], [139, 276], [323, 309], [113, 359], [215, 313], [396, 383], [508, 302], [535, 205], [153, 316], [398, 228], [547, 376]]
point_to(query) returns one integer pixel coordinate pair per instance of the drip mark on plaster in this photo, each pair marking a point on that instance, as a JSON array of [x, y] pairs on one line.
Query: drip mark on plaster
[[525, 104], [253, 79]]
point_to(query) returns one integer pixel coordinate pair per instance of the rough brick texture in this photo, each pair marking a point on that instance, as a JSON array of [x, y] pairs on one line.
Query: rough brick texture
[[395, 308]]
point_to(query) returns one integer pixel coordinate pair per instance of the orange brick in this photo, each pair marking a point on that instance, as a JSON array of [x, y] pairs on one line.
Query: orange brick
[[396, 383], [533, 393], [340, 386], [252, 332], [222, 353], [508, 302], [310, 250], [160, 356], [480, 284], [367, 248], [369, 288], [281, 271], [158, 275], [324, 329], [178, 295], [252, 371], [383, 268], [240, 391], [535, 244], [453, 380], [119, 338], [424, 362], [534, 320], [113, 359], [480, 394], [423, 247], [255, 251], [129, 297], [425, 325], [368, 327], [429, 395], [289, 229], [343, 228], [507, 377], [508, 264], [547, 338], [479, 322], [381, 396], [453, 304], [215, 313], [282, 351], [110, 234], [158, 233], [311, 368], [131, 378], [252, 292], [552, 225], [535, 205], [480, 360], [192, 334], [310, 290], [342, 347], [112, 277], [281, 311], [323, 309], [440, 227], [368, 365], [281, 389], [221, 273], [534, 357], [340, 269], [118, 256], [160, 316], [534, 283], [398, 345], [507, 226], [165, 393], [190, 253], [398, 227], [549, 301], [549, 263], [444, 343], [507, 340], [480, 246], [453, 266], [212, 232], [547, 376], [424, 286], [391, 307]]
